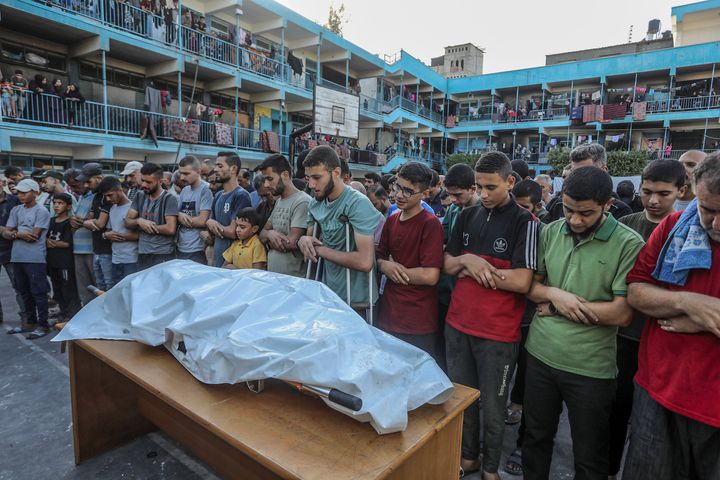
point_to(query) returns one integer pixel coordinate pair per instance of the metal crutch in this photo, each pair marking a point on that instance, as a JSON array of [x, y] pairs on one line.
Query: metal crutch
[[344, 219], [319, 262]]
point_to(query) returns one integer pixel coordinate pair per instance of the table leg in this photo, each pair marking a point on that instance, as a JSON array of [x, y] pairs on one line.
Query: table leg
[[104, 406]]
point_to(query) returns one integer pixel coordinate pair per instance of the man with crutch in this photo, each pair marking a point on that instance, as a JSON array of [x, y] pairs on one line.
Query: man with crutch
[[347, 222]]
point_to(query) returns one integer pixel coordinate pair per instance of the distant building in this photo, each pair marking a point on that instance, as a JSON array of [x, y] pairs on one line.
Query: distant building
[[665, 41], [459, 61]]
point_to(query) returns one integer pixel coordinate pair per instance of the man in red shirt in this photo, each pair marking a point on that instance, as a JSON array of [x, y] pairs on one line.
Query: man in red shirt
[[676, 408], [492, 250], [410, 254]]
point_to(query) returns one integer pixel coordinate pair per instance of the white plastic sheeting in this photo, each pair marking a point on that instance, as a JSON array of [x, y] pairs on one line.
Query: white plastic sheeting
[[241, 325]]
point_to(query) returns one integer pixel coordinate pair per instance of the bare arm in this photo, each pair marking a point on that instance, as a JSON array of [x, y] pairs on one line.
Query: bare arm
[[131, 221], [516, 280], [361, 259], [400, 274], [169, 227], [657, 302]]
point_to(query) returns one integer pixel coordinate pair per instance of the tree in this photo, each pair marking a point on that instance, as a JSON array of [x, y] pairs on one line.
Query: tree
[[336, 19]]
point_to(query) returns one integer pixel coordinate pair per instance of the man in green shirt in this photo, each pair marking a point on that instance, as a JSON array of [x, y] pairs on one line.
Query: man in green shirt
[[288, 220], [336, 205], [580, 290]]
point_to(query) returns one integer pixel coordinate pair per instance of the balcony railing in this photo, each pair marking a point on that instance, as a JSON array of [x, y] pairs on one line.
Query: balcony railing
[[53, 111], [683, 104], [676, 154], [128, 18]]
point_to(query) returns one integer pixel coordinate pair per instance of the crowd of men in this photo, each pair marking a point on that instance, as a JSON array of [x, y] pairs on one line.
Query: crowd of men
[[613, 312]]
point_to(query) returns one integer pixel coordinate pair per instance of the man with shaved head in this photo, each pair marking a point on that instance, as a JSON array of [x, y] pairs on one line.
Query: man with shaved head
[[689, 160]]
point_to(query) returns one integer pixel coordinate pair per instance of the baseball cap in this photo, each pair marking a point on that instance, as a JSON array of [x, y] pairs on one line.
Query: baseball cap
[[28, 185], [51, 173], [37, 173], [130, 167], [88, 171]]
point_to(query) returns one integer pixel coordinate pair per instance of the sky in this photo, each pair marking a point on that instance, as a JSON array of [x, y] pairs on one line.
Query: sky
[[515, 34]]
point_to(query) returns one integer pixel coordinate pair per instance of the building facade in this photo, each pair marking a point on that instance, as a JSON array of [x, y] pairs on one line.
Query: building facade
[[459, 61], [200, 76]]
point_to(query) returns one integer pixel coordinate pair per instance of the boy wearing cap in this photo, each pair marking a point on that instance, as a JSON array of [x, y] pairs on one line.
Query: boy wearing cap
[[60, 263], [27, 228]]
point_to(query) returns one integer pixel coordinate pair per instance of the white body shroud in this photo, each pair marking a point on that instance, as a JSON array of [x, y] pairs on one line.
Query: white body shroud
[[242, 325]]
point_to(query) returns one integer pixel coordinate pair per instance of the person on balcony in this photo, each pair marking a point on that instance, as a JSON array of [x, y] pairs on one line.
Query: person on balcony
[[74, 100], [38, 106], [56, 101], [19, 85]]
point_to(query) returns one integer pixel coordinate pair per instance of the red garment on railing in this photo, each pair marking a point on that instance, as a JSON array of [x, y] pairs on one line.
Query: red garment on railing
[[612, 112], [590, 113], [223, 134], [639, 111], [270, 142]]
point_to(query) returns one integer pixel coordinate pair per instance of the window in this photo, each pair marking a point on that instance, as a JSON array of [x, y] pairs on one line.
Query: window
[[227, 102], [115, 77], [462, 64], [42, 59]]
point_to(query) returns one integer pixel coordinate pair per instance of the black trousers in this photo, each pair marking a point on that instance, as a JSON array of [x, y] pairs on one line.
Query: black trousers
[[147, 260], [65, 290], [517, 394], [665, 445], [627, 363], [588, 401]]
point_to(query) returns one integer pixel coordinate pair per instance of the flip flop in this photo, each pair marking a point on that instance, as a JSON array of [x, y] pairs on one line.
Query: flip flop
[[476, 468], [512, 417], [37, 333], [513, 465], [15, 330]]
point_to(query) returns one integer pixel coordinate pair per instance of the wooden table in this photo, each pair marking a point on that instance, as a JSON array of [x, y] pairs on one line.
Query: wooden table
[[122, 390]]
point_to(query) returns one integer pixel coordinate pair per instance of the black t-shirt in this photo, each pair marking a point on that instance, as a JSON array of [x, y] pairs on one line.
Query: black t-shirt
[[61, 258], [100, 245]]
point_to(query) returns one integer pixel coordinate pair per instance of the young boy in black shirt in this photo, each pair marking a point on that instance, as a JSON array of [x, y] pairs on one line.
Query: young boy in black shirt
[[60, 263]]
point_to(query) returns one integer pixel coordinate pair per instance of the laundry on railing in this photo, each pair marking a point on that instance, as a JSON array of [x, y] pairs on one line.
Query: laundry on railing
[[295, 63], [147, 129], [270, 142], [612, 112], [639, 110], [223, 134], [185, 131], [590, 113]]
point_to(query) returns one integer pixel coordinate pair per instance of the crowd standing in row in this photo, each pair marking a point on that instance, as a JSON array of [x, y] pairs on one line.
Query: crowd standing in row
[[613, 312]]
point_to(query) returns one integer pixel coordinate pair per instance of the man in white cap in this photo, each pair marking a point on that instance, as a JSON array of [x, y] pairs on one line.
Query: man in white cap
[[131, 172], [27, 227]]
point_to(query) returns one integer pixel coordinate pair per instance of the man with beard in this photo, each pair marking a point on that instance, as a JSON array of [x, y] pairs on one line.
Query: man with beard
[[676, 284], [580, 290], [131, 172], [82, 237], [226, 205], [335, 206], [154, 213], [195, 204], [51, 182], [288, 220]]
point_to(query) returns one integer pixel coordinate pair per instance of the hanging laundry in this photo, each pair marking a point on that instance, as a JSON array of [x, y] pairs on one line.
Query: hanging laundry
[[147, 129], [612, 112], [223, 134], [590, 113], [200, 110], [295, 63], [639, 111], [185, 131]]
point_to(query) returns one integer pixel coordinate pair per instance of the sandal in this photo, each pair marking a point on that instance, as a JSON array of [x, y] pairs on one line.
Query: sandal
[[473, 469], [23, 329], [513, 465], [512, 416], [37, 333]]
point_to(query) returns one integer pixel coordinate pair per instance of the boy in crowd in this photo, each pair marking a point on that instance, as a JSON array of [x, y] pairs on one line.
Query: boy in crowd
[[288, 220], [676, 413], [410, 255], [27, 227], [154, 214], [580, 290], [335, 206], [528, 194], [662, 183], [227, 203], [247, 251], [492, 252], [124, 241], [51, 182], [60, 264], [196, 200]]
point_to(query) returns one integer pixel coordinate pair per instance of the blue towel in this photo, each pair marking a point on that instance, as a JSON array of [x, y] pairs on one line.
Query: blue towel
[[686, 248]]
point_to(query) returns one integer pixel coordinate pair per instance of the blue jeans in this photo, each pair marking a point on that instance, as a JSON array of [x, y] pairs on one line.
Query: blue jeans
[[102, 267], [32, 284], [122, 270]]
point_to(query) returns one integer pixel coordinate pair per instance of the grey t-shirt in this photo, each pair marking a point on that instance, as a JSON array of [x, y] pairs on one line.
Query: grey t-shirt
[[25, 220], [155, 211], [288, 213], [122, 252], [193, 202], [681, 205]]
